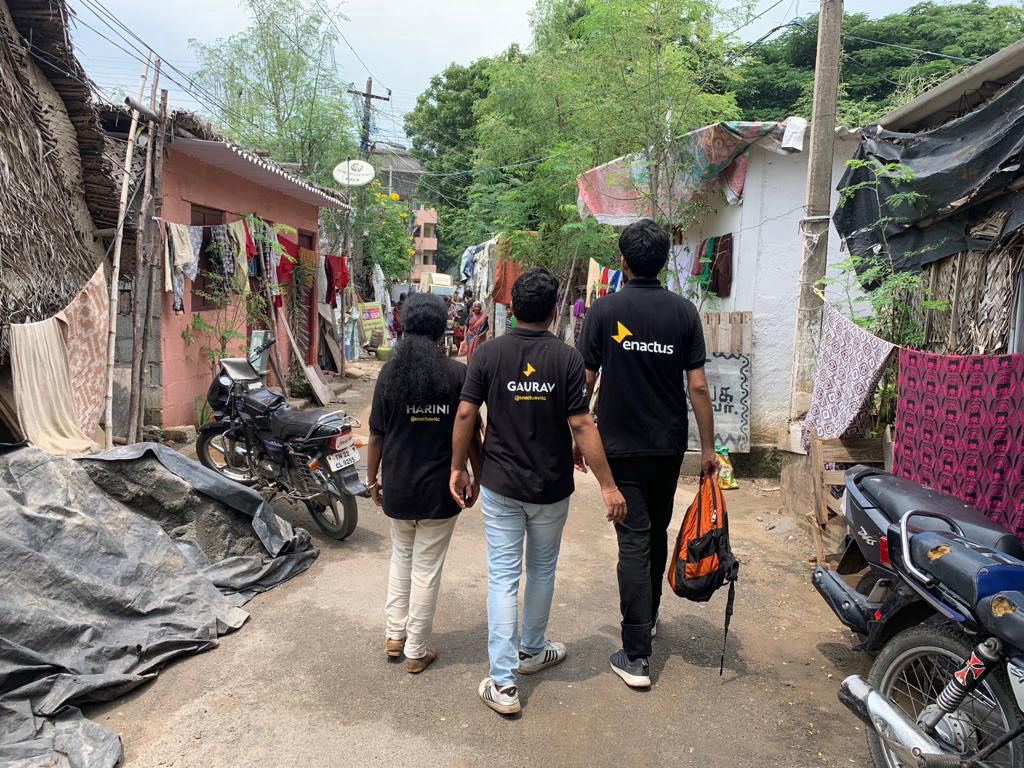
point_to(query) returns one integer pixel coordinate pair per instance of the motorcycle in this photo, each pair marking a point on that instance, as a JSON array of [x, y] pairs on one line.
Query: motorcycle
[[255, 439], [936, 589]]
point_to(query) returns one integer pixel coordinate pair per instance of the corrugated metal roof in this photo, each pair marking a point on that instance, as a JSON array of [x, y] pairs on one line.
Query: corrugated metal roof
[[242, 162]]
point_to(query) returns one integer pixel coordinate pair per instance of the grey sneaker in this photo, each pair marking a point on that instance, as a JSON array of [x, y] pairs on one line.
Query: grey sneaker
[[552, 654], [635, 674], [504, 702]]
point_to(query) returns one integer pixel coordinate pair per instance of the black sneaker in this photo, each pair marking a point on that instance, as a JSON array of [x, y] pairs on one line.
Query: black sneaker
[[635, 674]]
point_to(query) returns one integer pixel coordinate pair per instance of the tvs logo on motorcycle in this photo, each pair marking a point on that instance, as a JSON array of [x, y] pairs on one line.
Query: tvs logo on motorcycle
[[868, 538], [972, 669]]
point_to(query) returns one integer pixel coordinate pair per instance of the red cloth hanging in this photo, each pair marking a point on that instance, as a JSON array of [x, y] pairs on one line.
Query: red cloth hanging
[[337, 277], [287, 265]]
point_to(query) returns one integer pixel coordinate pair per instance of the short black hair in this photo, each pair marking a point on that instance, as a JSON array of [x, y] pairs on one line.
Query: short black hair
[[424, 314], [644, 245], [534, 295]]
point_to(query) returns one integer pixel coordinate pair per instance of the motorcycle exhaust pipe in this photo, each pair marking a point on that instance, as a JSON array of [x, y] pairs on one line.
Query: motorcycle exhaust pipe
[[899, 733]]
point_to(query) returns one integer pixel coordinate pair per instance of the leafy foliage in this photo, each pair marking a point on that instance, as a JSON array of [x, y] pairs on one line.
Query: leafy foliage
[[776, 78], [876, 296], [507, 137], [389, 243]]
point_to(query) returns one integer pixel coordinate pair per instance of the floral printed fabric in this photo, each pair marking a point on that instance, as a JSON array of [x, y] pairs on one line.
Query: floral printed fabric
[[850, 363]]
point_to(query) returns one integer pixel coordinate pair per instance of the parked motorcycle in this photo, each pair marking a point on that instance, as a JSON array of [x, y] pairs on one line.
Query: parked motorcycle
[[937, 590], [255, 439]]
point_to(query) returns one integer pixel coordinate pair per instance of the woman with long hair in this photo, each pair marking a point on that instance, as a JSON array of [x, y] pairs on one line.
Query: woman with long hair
[[476, 330], [411, 419]]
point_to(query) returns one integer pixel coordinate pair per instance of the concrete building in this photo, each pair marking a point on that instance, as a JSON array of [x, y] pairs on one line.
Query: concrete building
[[209, 181], [424, 234], [397, 169]]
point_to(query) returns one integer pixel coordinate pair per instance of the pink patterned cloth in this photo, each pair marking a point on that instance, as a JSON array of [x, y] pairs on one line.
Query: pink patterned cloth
[[616, 192], [960, 430], [85, 323], [850, 363]]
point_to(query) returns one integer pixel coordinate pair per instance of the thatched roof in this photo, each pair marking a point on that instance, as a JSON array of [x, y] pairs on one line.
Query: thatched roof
[[56, 186]]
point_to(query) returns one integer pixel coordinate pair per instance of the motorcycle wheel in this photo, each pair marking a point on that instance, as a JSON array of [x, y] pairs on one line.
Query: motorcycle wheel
[[912, 670], [338, 518], [212, 455]]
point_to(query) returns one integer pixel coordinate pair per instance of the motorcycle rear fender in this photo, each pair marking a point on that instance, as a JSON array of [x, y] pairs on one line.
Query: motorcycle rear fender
[[216, 427], [902, 609]]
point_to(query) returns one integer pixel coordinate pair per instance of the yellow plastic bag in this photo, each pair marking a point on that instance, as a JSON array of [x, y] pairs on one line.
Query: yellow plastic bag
[[726, 476]]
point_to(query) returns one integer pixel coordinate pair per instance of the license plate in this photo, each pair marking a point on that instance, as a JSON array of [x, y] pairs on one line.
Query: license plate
[[340, 461]]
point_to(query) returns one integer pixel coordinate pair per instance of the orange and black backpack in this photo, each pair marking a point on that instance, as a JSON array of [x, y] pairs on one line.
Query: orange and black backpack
[[702, 560]]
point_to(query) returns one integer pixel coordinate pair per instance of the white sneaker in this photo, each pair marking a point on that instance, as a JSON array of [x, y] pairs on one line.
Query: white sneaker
[[553, 653], [503, 702]]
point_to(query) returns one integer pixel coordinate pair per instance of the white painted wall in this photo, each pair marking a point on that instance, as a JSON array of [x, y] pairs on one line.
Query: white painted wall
[[766, 270]]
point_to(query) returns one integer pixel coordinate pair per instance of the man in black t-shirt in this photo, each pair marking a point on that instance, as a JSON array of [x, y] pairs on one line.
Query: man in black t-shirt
[[648, 344], [535, 390]]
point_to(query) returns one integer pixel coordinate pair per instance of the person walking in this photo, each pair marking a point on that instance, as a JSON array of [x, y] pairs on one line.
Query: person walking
[[648, 345], [411, 419], [533, 385], [476, 331]]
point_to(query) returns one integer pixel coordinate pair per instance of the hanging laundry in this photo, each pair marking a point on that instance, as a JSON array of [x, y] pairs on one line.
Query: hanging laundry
[[168, 263], [850, 363], [958, 427], [196, 237], [682, 258], [287, 260], [181, 245], [701, 256], [222, 251], [85, 323], [240, 240], [42, 389], [615, 281], [720, 280], [506, 272]]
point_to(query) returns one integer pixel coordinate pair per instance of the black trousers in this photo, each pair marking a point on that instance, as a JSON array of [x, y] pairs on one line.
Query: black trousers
[[648, 483]]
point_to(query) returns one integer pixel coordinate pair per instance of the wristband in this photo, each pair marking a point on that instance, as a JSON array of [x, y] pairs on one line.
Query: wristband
[[613, 490], [370, 486]]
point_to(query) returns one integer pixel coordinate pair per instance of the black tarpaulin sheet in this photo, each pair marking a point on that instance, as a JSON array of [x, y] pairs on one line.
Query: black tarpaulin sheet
[[961, 171], [95, 597]]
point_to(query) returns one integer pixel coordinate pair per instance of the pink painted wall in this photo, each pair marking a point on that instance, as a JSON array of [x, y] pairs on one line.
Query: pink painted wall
[[187, 181]]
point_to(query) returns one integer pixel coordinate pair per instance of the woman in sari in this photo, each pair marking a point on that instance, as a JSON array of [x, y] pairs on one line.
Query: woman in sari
[[476, 330]]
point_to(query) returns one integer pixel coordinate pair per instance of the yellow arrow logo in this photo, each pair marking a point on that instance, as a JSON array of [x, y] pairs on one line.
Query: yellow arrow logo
[[622, 334], [530, 370]]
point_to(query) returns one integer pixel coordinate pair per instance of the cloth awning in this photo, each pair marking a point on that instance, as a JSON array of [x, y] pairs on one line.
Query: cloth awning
[[247, 164], [616, 192]]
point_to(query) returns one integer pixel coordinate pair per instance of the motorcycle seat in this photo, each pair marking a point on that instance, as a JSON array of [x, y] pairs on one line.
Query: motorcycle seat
[[1002, 614], [967, 569], [896, 496], [289, 424]]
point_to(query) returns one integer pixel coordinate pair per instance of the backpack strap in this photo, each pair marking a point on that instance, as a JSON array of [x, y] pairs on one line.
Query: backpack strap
[[728, 619]]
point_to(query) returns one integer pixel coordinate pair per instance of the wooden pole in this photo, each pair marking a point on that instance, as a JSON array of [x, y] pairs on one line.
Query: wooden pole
[[155, 258], [115, 267], [140, 283], [814, 226]]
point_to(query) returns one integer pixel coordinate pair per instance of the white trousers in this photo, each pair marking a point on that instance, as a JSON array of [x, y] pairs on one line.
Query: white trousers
[[418, 550]]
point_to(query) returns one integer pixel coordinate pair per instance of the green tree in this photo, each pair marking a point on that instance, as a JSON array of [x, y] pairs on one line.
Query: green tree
[[602, 78], [388, 242], [776, 78], [278, 87], [443, 131]]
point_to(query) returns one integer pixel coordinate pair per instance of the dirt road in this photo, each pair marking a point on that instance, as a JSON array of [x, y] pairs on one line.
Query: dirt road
[[305, 681]]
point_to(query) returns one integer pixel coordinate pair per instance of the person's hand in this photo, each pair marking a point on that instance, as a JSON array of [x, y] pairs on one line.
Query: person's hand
[[577, 459], [474, 495], [376, 493], [615, 505], [461, 488], [709, 463]]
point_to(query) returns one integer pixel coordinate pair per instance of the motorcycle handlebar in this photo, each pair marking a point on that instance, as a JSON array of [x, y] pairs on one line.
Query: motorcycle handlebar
[[264, 346]]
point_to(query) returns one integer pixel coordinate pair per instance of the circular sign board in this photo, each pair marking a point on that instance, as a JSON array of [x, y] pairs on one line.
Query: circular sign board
[[354, 173]]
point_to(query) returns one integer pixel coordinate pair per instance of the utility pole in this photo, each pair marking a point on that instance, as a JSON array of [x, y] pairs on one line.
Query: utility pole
[[115, 265], [815, 222], [368, 97], [359, 276]]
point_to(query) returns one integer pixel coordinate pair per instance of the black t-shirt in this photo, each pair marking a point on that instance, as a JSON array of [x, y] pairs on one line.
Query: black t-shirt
[[643, 339], [532, 383], [417, 451]]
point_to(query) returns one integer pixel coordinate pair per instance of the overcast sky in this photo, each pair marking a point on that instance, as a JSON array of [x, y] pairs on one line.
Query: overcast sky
[[402, 42]]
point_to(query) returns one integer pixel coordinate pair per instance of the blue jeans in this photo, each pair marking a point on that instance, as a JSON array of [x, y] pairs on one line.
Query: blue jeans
[[507, 523]]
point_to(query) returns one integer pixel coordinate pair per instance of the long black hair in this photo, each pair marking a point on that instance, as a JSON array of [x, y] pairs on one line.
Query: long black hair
[[416, 373]]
